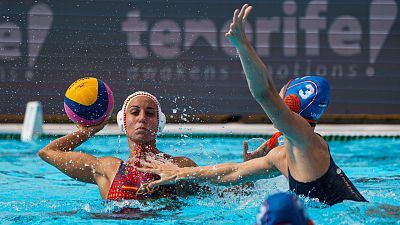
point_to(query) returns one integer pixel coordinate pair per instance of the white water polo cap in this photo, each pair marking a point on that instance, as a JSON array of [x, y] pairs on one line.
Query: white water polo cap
[[121, 116]]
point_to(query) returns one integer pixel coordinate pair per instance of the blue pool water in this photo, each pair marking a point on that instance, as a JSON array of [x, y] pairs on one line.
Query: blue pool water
[[33, 192]]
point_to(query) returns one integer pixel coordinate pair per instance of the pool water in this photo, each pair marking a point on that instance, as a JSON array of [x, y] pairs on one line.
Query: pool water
[[33, 192]]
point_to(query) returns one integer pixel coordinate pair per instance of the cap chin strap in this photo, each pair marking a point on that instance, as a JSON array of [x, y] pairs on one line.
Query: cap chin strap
[[162, 120]]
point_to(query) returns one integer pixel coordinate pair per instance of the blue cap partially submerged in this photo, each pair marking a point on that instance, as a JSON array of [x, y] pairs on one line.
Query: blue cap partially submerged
[[282, 208]]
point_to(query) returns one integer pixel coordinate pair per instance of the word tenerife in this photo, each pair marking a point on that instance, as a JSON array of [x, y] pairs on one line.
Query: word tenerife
[[168, 39]]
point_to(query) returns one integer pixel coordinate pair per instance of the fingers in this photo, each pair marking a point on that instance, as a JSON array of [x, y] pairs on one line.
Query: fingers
[[263, 148], [245, 149], [234, 22], [159, 162], [163, 181], [151, 160], [247, 12], [239, 17], [154, 184], [265, 144], [235, 16], [242, 11], [147, 170], [148, 164]]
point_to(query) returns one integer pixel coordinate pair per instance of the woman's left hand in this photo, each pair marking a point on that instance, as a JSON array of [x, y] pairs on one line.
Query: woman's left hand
[[168, 172]]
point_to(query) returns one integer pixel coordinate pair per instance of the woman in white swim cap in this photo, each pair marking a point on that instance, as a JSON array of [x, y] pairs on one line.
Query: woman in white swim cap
[[141, 119]]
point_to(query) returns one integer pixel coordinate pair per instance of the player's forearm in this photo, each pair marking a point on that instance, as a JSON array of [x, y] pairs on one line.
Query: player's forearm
[[218, 174], [68, 142], [257, 75]]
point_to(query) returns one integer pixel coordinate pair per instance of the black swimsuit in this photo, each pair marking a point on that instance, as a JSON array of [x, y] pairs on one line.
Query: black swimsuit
[[333, 187]]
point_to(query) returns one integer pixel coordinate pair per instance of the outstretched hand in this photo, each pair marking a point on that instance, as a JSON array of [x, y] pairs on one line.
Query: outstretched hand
[[236, 33], [261, 151], [167, 171]]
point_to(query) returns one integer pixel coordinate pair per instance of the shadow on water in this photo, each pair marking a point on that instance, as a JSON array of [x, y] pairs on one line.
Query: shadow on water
[[376, 179], [126, 214], [123, 214], [384, 211], [125, 210], [374, 213]]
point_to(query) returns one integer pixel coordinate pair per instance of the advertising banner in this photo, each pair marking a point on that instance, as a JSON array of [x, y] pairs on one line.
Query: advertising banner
[[177, 50]]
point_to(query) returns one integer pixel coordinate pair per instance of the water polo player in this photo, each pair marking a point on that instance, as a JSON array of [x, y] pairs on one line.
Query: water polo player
[[283, 209], [140, 119], [304, 158]]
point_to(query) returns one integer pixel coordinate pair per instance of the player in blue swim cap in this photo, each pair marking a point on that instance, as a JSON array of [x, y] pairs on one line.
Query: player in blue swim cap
[[307, 96], [282, 208], [304, 158]]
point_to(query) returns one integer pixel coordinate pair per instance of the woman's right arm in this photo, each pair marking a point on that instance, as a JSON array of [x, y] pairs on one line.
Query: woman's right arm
[[78, 165], [293, 126]]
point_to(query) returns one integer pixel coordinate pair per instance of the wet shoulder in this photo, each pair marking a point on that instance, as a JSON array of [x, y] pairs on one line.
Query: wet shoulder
[[110, 166]]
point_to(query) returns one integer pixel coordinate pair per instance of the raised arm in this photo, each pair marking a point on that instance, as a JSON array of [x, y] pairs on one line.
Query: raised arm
[[261, 86], [78, 165]]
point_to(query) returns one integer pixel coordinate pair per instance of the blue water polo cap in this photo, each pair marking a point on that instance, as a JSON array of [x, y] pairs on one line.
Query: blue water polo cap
[[282, 208], [308, 96]]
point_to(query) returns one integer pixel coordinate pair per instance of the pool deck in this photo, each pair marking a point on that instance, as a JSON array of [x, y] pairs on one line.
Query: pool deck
[[227, 129]]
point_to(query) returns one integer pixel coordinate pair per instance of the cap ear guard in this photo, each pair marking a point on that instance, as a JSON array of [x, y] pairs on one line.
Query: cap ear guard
[[162, 122], [120, 121]]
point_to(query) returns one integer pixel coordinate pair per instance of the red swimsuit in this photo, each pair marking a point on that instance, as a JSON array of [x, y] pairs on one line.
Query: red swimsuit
[[130, 183]]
